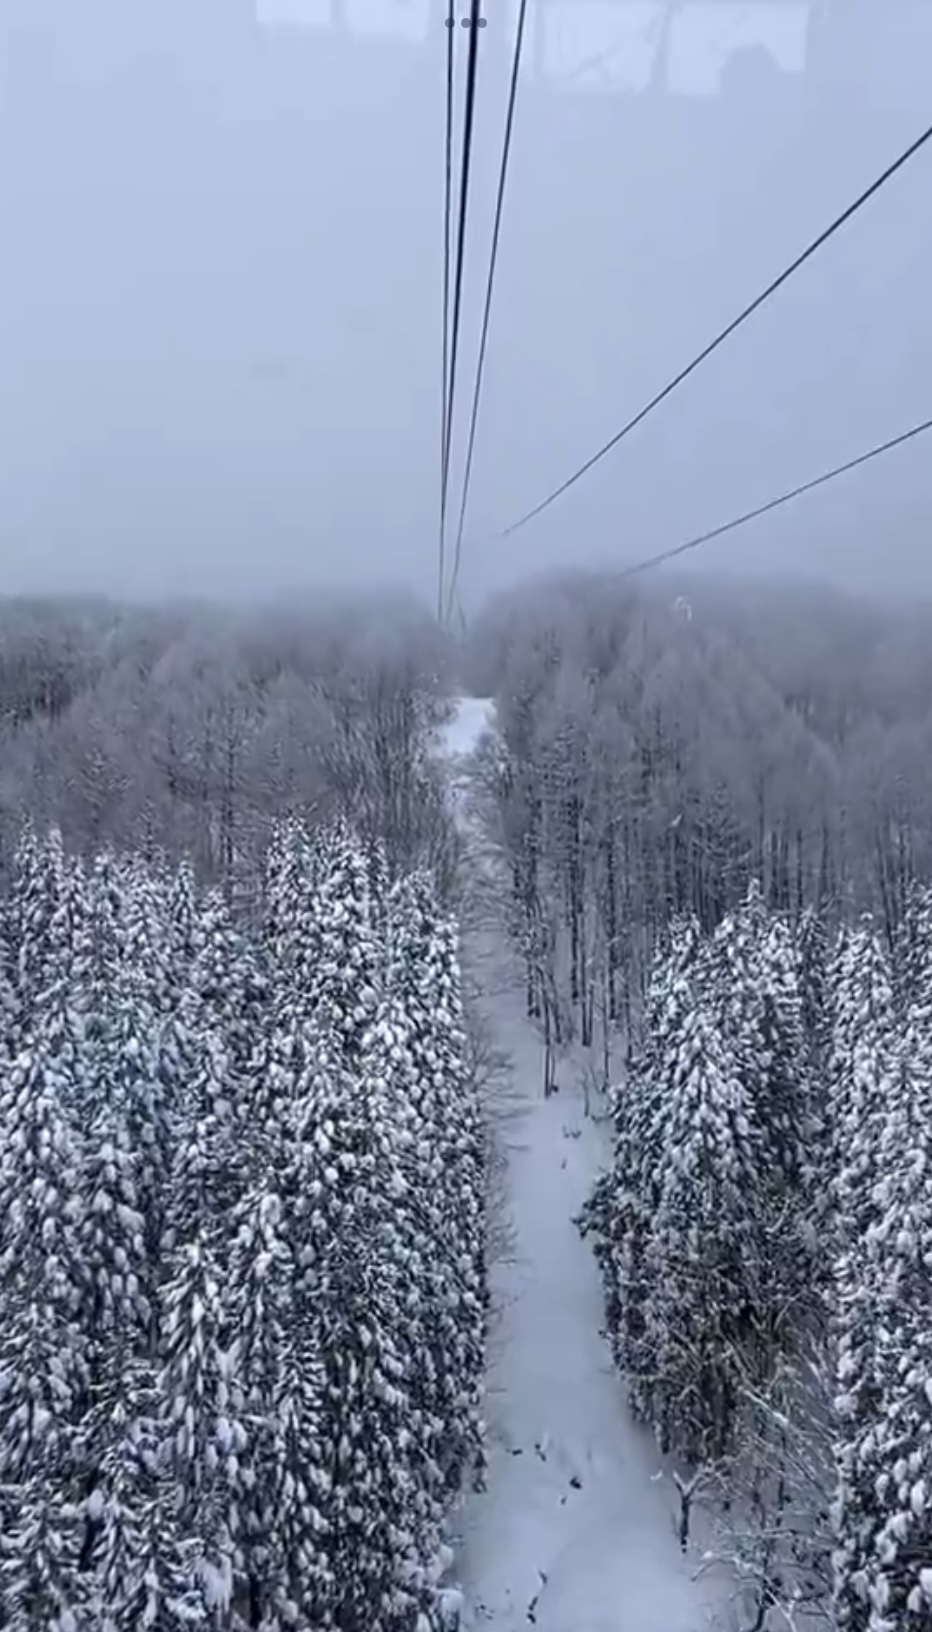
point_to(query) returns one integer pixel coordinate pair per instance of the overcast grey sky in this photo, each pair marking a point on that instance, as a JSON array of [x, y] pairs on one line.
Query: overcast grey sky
[[220, 276]]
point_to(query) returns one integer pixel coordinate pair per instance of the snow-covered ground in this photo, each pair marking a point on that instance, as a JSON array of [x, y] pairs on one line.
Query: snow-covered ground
[[461, 734], [576, 1529]]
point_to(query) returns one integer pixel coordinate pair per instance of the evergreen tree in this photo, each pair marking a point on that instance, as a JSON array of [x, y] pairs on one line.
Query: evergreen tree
[[43, 1358], [863, 1034], [884, 1526], [282, 1487], [703, 1249], [624, 1201], [347, 974], [198, 1413]]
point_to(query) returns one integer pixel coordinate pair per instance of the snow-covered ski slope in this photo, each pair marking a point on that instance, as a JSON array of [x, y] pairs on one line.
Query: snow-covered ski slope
[[575, 1531]]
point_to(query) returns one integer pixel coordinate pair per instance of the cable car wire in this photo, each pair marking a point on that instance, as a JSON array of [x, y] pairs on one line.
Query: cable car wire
[[725, 333], [483, 342], [447, 259], [775, 504], [471, 64]]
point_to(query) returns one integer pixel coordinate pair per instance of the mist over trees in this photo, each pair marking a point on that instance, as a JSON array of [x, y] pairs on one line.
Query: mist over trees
[[186, 729], [662, 746]]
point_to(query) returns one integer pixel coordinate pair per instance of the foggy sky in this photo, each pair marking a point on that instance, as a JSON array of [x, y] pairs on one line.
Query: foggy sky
[[220, 280]]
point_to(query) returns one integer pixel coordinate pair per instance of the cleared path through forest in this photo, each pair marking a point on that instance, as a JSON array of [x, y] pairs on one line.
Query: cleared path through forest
[[575, 1531]]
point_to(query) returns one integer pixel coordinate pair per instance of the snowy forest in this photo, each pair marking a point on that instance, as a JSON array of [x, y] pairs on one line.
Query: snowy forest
[[714, 806], [254, 1278], [241, 1213]]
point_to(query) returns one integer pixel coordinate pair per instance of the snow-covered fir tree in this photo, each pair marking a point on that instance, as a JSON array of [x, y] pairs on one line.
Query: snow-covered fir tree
[[863, 1035], [348, 967], [882, 1514], [703, 1250], [621, 1210]]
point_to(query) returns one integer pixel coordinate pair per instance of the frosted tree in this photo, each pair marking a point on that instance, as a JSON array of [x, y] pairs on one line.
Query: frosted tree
[[143, 1570], [859, 1062], [622, 1207], [703, 1250], [883, 1521], [757, 1002], [347, 971], [198, 1416], [438, 1233], [352, 1200], [208, 1172], [912, 960], [425, 982], [289, 877], [126, 1080], [38, 924], [43, 1358], [117, 1312], [282, 1484], [184, 931], [229, 989], [39, 1584]]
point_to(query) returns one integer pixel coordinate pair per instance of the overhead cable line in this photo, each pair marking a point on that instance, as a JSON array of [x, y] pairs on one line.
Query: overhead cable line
[[471, 63], [719, 340], [447, 258], [483, 342], [775, 504]]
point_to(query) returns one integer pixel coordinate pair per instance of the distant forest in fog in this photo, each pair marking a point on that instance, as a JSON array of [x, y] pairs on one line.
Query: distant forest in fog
[[708, 729], [664, 741]]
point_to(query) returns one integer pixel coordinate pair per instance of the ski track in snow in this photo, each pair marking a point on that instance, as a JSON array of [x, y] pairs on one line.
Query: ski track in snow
[[575, 1531]]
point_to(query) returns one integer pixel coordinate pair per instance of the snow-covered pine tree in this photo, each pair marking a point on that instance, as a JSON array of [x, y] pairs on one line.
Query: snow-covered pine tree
[[350, 1200], [55, 1019], [912, 948], [287, 1044], [116, 1314], [39, 1583], [282, 1562], [348, 968], [380, 889], [140, 1571], [424, 981], [38, 881], [127, 1083], [9, 1006], [441, 1301], [863, 1034], [757, 1002], [884, 1520], [145, 949], [229, 986], [42, 1347], [812, 948], [288, 886], [201, 1435], [881, 1088], [184, 932], [620, 1211], [702, 1256], [757, 1005]]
